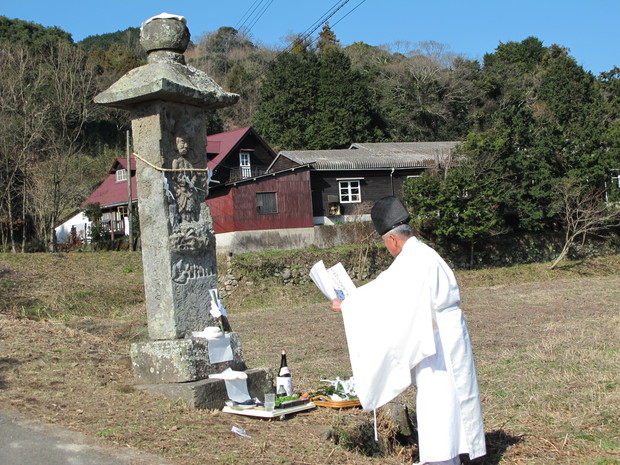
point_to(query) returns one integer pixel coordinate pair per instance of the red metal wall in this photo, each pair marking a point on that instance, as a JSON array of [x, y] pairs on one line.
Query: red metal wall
[[234, 207], [220, 203]]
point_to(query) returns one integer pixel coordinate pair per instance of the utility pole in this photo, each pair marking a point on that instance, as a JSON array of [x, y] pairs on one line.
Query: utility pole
[[129, 198]]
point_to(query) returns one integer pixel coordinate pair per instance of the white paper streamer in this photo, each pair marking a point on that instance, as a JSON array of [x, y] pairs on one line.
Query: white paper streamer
[[236, 384]]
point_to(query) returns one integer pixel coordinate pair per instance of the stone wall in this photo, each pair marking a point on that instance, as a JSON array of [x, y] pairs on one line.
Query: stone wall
[[239, 242], [367, 260]]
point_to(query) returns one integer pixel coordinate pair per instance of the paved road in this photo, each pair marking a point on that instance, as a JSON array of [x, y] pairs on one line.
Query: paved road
[[28, 442]]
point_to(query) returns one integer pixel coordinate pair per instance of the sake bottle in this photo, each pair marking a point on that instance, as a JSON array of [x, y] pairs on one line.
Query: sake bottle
[[284, 380]]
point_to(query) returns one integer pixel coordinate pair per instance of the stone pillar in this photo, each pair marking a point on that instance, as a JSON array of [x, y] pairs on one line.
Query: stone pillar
[[168, 101], [178, 244]]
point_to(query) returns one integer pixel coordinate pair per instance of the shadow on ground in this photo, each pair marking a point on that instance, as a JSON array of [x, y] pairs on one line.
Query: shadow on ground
[[6, 363], [498, 442]]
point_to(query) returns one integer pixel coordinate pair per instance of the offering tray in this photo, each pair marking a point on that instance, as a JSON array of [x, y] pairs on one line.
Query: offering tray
[[324, 401], [262, 413]]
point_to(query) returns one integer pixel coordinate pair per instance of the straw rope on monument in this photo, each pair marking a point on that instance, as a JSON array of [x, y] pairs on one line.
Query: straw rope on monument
[[161, 168]]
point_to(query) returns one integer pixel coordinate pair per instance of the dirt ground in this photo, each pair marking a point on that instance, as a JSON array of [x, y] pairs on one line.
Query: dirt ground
[[546, 353]]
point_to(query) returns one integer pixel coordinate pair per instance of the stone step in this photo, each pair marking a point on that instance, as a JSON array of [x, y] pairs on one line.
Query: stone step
[[180, 360], [211, 393]]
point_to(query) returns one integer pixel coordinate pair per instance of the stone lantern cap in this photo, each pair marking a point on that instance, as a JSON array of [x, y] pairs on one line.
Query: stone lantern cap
[[164, 32], [166, 76]]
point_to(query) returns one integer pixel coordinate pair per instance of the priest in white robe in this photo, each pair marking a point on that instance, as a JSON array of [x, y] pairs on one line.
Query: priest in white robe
[[407, 326]]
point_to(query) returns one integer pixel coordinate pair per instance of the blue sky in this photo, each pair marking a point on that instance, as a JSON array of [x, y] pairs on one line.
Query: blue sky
[[588, 28]]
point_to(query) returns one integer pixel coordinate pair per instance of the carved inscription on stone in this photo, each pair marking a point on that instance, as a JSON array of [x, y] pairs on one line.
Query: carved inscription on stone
[[186, 269], [192, 250]]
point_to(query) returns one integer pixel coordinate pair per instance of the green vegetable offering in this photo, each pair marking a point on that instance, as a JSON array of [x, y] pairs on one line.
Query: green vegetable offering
[[286, 400]]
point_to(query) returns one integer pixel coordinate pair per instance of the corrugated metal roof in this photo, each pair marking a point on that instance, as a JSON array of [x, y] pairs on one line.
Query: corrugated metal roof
[[375, 155]]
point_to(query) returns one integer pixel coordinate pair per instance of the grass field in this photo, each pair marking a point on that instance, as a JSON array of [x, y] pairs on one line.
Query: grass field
[[546, 345]]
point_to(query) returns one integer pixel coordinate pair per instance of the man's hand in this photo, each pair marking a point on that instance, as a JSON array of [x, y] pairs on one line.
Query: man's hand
[[336, 303]]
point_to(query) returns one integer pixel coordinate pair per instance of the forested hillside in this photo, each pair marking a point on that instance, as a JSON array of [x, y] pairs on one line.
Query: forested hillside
[[538, 131]]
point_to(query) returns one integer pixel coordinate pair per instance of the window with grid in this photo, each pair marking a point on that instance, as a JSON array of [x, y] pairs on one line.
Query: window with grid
[[244, 164], [350, 191], [121, 175], [266, 202]]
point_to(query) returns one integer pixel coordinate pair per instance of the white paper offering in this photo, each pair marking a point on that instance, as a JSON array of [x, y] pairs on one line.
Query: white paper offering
[[217, 308], [237, 390], [236, 384], [208, 332], [333, 282], [220, 349]]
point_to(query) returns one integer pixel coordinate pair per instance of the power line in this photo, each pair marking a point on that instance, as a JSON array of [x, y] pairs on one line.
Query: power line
[[252, 15], [248, 12], [322, 20], [350, 11], [259, 16], [258, 8]]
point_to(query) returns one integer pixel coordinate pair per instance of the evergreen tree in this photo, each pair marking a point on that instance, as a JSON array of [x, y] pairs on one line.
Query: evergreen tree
[[344, 109], [327, 39], [287, 106], [463, 203], [314, 100], [575, 112], [609, 84], [546, 123], [30, 35]]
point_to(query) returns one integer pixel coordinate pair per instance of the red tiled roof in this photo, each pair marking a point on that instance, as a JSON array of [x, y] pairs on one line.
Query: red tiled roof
[[221, 144], [110, 192], [123, 163]]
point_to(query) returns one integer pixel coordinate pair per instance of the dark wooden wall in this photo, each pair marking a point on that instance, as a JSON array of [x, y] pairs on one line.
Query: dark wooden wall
[[260, 159], [375, 185]]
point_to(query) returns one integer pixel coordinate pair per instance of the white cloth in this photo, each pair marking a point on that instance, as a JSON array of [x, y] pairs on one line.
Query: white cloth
[[236, 384], [220, 349], [389, 326]]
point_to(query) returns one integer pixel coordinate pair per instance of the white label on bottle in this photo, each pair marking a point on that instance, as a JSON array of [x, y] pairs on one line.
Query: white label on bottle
[[286, 382]]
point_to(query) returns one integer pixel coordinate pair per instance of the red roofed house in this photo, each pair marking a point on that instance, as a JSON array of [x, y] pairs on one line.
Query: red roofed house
[[113, 197], [251, 207]]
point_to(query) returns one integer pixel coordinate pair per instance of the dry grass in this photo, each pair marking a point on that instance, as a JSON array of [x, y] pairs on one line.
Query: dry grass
[[546, 347]]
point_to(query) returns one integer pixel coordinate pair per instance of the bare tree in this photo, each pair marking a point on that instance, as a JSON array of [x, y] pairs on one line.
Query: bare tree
[[22, 121], [583, 212], [55, 176], [230, 57]]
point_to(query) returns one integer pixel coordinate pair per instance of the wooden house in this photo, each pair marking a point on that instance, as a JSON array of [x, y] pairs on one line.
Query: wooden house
[[243, 196], [346, 183], [113, 197], [247, 195]]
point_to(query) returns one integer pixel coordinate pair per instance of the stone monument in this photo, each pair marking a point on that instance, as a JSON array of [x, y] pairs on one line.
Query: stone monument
[[168, 101]]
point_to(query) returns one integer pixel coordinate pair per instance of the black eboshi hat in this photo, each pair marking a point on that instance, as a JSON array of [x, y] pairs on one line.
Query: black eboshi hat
[[388, 213]]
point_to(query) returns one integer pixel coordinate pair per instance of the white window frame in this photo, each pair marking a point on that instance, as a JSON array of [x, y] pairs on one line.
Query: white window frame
[[245, 165], [346, 190], [121, 175]]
